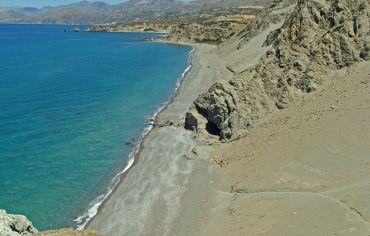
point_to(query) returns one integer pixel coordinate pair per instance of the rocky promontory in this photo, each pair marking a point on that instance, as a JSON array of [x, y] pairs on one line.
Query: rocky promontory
[[214, 30], [19, 225], [318, 37], [15, 225], [132, 27]]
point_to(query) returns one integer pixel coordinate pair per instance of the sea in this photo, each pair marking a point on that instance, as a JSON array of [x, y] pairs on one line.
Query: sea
[[73, 109]]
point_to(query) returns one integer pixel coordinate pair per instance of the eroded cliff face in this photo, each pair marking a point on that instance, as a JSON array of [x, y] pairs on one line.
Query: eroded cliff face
[[278, 11], [15, 225], [197, 33], [318, 37]]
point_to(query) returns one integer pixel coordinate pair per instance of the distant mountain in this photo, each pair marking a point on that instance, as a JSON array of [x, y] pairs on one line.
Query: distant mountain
[[148, 3], [86, 12], [11, 15], [87, 6], [28, 11]]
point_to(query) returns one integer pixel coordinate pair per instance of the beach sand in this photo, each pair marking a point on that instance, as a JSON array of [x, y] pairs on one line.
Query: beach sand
[[304, 170], [156, 194], [147, 200]]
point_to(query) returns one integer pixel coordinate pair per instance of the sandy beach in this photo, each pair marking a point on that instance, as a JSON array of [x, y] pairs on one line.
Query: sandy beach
[[150, 194], [266, 133], [172, 166], [303, 170]]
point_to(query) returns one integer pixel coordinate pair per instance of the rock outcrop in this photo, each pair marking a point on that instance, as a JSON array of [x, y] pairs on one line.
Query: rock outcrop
[[215, 30], [318, 36], [15, 225], [199, 33], [19, 225], [132, 27]]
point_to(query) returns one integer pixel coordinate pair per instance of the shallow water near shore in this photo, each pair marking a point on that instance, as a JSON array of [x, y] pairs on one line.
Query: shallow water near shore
[[69, 102]]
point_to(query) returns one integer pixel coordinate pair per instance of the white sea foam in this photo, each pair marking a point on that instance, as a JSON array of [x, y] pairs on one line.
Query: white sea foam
[[93, 208]]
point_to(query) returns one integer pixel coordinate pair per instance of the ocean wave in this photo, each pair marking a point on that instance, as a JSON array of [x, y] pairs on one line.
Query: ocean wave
[[94, 206]]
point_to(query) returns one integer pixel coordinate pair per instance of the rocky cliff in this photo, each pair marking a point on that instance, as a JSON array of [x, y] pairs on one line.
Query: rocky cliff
[[215, 30], [199, 33], [317, 37], [15, 225]]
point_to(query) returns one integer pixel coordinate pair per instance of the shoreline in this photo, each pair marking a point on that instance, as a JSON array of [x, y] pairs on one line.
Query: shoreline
[[161, 155], [205, 68], [83, 221]]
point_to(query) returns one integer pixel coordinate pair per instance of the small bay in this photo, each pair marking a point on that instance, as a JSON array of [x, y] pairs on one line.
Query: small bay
[[71, 105]]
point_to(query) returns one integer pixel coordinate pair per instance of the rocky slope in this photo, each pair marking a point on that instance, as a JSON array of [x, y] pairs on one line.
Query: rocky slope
[[215, 30], [15, 225], [318, 37], [199, 33], [278, 10]]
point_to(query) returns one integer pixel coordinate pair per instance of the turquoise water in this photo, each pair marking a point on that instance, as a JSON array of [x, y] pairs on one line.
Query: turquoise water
[[68, 103]]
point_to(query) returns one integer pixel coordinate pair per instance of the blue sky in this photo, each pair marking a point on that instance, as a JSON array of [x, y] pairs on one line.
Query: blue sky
[[41, 3]]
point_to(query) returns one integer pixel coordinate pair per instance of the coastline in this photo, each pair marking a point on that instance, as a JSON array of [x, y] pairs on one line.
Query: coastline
[[195, 80], [297, 161], [208, 65], [83, 221]]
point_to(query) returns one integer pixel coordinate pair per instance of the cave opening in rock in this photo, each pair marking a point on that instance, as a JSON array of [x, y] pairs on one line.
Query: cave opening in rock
[[212, 129]]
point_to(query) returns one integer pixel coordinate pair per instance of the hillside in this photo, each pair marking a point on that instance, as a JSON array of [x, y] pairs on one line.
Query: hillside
[[11, 15], [317, 38], [131, 11], [211, 30]]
